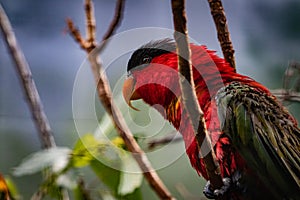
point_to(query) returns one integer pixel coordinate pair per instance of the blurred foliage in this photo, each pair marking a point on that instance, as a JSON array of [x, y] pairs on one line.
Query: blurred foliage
[[120, 172], [8, 189]]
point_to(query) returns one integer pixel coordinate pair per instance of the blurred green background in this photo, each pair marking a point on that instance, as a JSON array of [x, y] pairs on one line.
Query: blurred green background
[[265, 35]]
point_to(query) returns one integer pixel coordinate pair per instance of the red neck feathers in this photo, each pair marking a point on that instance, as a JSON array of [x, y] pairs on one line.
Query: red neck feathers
[[158, 82]]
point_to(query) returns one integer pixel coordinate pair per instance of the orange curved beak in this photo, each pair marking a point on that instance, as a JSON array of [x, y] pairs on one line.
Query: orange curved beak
[[129, 93]]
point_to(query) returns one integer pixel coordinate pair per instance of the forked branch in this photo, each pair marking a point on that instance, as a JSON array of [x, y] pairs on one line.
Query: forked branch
[[105, 95]]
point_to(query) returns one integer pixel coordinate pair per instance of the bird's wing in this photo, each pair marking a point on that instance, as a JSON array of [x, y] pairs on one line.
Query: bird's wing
[[264, 133]]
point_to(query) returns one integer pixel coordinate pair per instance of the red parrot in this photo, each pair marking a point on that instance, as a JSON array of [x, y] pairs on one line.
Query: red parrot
[[255, 139]]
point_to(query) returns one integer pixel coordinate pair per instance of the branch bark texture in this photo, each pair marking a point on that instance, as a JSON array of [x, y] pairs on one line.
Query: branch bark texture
[[218, 14], [188, 92], [105, 95], [29, 88]]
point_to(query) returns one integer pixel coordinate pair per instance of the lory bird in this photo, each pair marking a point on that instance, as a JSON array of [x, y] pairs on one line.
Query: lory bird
[[255, 139]]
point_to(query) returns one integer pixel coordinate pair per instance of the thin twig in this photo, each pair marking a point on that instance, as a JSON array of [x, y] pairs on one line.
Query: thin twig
[[218, 14], [29, 88], [76, 34], [40, 194], [171, 137], [90, 24], [291, 84], [291, 78], [189, 95], [105, 96], [81, 186], [151, 176], [285, 95], [116, 20], [113, 25]]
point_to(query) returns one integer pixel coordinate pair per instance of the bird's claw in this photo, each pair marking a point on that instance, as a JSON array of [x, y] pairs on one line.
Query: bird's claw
[[212, 194], [225, 188]]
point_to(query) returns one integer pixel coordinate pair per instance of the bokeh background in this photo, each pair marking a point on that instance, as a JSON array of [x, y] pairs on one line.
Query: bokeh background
[[265, 35]]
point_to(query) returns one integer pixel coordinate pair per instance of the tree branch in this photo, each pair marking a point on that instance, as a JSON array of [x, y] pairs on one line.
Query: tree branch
[[75, 33], [171, 137], [116, 20], [189, 95], [90, 24], [291, 84], [29, 88], [218, 14], [285, 95], [113, 25], [105, 96]]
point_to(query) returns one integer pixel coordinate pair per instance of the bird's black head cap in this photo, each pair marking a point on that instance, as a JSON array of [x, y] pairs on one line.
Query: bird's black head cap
[[145, 53]]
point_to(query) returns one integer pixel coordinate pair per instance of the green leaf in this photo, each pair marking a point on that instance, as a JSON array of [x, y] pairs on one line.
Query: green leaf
[[105, 157], [57, 158], [136, 195], [131, 175], [112, 179], [54, 191], [85, 150], [109, 176], [13, 190]]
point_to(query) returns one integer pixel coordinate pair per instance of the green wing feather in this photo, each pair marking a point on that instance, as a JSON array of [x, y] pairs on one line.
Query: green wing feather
[[264, 134]]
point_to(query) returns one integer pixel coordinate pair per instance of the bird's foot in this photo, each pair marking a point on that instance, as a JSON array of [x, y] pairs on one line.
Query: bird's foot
[[213, 194]]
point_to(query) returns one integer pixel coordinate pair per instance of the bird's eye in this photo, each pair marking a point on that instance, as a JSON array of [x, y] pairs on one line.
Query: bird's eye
[[146, 60]]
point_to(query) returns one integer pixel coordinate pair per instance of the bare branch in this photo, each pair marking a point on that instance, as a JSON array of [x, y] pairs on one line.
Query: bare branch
[[189, 95], [90, 24], [104, 93], [105, 96], [291, 78], [171, 137], [29, 88], [285, 95], [116, 20], [89, 43], [218, 14], [291, 84], [113, 25], [75, 33]]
